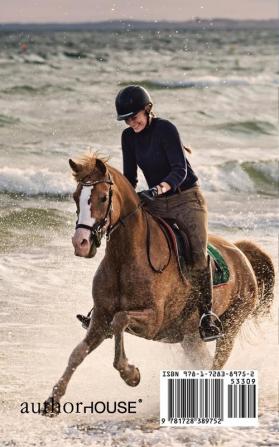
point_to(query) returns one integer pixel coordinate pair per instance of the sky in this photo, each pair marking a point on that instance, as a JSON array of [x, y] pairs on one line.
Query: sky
[[99, 10]]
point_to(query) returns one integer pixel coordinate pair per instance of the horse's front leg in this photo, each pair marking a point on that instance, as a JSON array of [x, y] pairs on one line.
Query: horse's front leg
[[129, 373], [96, 334], [143, 322]]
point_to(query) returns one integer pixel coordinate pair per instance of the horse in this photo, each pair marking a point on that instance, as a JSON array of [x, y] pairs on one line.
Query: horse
[[137, 287]]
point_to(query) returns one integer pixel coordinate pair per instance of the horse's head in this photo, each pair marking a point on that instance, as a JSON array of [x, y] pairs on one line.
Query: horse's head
[[93, 197]]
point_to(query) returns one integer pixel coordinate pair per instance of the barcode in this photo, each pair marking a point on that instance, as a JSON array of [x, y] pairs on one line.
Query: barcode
[[193, 398], [241, 401], [226, 398]]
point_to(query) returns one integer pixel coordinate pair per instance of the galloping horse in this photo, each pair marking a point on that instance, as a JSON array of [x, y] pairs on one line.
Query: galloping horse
[[153, 303]]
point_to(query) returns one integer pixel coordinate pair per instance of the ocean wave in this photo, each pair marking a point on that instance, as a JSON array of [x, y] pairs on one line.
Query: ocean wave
[[248, 127], [204, 82], [100, 57], [198, 83], [30, 90], [7, 120], [32, 182], [263, 171], [33, 58], [75, 54], [260, 177]]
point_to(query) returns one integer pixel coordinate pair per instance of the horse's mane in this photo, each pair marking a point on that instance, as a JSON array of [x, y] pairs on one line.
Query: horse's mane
[[87, 163]]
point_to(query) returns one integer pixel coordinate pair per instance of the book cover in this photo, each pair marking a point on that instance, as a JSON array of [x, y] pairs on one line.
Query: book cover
[[212, 71]]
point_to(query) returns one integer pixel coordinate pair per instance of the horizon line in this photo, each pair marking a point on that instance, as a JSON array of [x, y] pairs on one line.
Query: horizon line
[[155, 21]]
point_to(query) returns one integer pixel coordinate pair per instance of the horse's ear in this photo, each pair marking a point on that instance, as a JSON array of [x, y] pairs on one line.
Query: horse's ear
[[75, 166], [100, 165]]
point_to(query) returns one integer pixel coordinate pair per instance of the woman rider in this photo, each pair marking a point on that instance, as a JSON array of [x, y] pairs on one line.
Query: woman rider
[[154, 145]]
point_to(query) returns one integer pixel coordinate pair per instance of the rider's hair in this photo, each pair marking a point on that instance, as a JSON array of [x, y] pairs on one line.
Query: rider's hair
[[149, 112], [187, 149]]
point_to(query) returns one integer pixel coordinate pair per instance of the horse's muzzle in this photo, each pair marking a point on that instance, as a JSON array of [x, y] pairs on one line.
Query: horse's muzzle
[[83, 245]]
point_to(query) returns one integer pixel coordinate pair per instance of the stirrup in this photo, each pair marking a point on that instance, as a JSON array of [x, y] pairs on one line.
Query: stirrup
[[216, 325], [84, 320]]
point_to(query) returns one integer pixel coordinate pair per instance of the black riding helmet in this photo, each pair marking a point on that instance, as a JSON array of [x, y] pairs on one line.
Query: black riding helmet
[[130, 100]]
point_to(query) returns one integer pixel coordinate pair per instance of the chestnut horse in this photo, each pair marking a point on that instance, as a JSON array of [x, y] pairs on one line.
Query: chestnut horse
[[138, 288]]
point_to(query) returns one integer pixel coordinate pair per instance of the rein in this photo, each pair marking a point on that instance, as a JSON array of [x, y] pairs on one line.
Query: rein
[[148, 244], [114, 227]]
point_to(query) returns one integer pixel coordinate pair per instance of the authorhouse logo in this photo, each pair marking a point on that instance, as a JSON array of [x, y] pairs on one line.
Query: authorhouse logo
[[99, 407]]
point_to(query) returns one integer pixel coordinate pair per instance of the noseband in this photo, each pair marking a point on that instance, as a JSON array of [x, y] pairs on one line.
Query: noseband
[[96, 230]]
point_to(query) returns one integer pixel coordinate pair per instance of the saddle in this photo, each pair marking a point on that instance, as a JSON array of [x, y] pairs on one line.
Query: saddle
[[180, 243]]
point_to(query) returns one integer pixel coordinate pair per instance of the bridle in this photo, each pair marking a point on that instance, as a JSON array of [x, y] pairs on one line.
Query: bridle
[[96, 229]]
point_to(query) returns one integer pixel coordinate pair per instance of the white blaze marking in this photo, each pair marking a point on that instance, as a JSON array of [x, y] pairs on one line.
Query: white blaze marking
[[84, 207]]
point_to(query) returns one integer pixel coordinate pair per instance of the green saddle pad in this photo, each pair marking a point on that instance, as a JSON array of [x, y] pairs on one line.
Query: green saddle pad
[[222, 273]]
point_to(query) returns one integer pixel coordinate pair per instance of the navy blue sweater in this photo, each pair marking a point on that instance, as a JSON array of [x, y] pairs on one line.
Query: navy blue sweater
[[158, 151]]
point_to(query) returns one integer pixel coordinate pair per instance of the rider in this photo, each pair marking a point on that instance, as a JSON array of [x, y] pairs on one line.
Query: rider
[[154, 145]]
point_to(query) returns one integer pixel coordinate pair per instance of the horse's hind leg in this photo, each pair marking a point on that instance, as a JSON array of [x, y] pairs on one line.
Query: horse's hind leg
[[232, 320], [94, 337], [224, 348], [196, 350]]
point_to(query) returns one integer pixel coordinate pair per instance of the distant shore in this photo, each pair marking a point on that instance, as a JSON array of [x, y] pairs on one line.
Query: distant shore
[[134, 25]]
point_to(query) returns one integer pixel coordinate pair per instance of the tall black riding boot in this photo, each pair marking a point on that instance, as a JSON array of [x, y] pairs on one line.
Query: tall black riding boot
[[85, 320], [210, 326]]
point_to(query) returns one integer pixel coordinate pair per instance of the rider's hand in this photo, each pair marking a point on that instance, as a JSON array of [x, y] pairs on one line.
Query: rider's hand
[[148, 194]]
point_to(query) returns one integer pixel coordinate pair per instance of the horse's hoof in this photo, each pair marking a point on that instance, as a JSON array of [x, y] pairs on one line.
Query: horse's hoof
[[51, 408], [133, 378]]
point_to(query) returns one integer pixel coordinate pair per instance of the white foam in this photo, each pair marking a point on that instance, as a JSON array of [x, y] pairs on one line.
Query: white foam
[[241, 176], [35, 181], [225, 178]]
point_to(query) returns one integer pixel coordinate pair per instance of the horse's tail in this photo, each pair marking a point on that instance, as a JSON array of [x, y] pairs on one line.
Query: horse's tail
[[264, 271]]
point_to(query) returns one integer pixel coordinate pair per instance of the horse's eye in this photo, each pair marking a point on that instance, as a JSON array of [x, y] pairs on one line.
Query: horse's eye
[[89, 200], [103, 199]]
